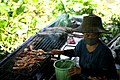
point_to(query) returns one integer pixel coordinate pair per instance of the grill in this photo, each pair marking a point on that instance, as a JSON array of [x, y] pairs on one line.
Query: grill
[[39, 71]]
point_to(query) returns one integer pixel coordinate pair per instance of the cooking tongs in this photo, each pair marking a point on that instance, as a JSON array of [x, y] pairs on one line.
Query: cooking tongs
[[47, 53]]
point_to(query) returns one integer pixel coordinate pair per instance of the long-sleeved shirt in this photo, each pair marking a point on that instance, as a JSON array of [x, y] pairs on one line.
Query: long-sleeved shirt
[[99, 62]]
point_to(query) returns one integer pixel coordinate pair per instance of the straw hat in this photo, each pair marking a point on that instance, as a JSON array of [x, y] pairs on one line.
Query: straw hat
[[91, 23]]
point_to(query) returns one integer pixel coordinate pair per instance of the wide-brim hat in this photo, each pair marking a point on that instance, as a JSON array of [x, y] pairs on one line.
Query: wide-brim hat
[[91, 23]]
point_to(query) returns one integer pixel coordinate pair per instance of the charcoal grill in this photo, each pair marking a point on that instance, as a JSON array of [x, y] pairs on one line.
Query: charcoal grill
[[41, 72], [38, 42]]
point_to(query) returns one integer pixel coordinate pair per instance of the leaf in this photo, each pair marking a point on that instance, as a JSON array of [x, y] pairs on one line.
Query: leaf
[[4, 7], [10, 13], [2, 23], [3, 37], [16, 1], [14, 29], [20, 9]]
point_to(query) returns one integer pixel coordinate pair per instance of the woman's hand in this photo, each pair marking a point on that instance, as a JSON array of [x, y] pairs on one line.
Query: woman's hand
[[74, 70]]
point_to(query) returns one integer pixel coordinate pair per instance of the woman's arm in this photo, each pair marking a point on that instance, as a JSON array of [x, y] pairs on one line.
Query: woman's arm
[[69, 52]]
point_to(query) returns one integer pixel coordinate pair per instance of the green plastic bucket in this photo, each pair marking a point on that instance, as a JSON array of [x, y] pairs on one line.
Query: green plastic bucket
[[61, 69]]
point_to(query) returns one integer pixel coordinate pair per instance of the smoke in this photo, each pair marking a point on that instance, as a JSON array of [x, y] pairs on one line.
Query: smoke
[[55, 32]]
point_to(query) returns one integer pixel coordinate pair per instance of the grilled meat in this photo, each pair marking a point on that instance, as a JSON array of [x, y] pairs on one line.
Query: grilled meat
[[28, 58]]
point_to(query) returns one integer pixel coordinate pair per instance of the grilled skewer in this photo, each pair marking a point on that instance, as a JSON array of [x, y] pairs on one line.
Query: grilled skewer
[[29, 58]]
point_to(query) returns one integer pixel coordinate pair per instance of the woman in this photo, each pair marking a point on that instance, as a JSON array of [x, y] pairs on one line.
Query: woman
[[96, 60]]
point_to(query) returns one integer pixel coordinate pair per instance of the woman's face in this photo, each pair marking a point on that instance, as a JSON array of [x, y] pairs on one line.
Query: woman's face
[[91, 38], [91, 35]]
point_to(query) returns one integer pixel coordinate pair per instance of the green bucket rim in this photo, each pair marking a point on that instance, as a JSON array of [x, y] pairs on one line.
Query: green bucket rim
[[63, 61]]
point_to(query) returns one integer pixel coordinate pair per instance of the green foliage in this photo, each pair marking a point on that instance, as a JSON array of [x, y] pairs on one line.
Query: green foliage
[[115, 24], [111, 18], [70, 8], [76, 7], [21, 19]]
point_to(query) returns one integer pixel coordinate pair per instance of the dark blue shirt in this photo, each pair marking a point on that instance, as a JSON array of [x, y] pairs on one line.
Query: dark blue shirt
[[100, 62]]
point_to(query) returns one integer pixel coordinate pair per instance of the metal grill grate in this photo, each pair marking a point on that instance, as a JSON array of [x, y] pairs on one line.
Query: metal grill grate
[[46, 43]]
